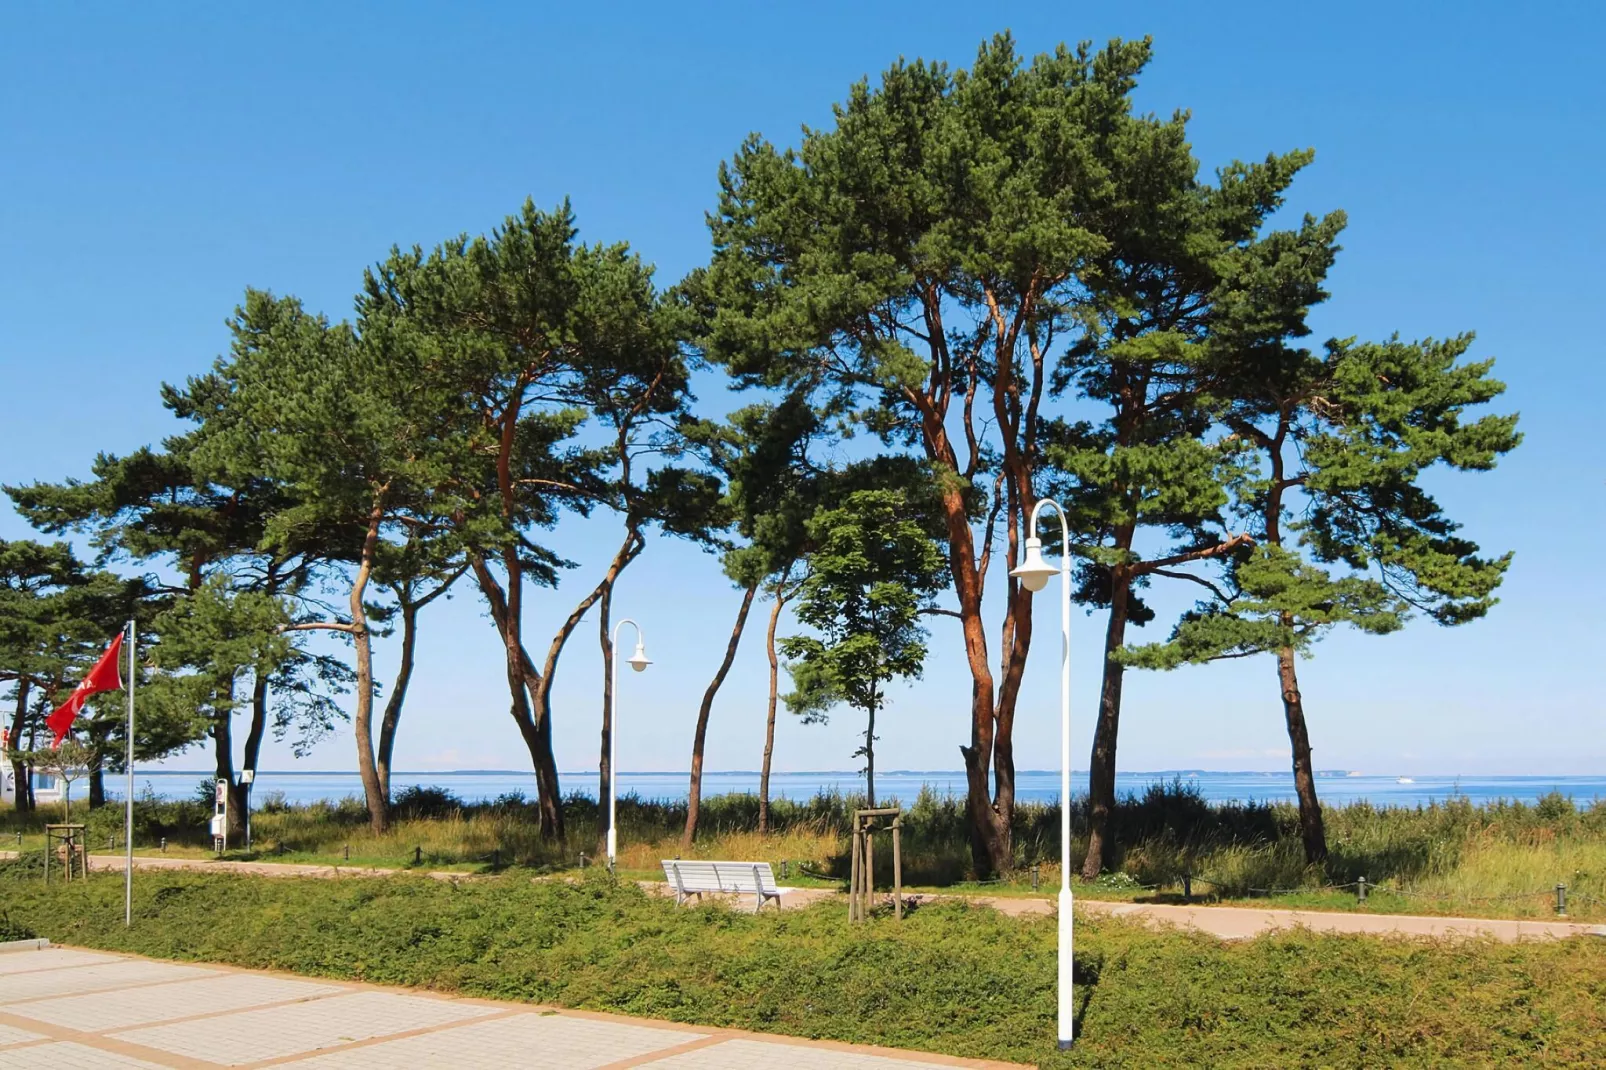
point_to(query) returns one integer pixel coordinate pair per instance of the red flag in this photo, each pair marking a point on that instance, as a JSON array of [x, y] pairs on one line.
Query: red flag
[[105, 676]]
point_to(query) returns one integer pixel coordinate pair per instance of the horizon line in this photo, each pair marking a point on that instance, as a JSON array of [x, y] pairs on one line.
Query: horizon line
[[1347, 773]]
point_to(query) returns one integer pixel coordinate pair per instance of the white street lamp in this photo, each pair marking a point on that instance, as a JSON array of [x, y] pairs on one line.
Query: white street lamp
[[1034, 574], [638, 661]]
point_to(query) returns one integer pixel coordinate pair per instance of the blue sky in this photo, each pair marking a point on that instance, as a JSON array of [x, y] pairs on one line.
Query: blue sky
[[155, 160]]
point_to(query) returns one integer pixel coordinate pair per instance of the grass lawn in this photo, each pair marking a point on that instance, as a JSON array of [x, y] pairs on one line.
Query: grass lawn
[[951, 978]]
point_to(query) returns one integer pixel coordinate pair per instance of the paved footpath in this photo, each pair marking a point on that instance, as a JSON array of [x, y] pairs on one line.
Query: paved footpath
[[66, 1009], [1228, 923]]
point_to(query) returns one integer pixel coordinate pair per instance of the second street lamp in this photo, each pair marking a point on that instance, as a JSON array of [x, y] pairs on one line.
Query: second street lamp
[[1034, 574], [638, 662]]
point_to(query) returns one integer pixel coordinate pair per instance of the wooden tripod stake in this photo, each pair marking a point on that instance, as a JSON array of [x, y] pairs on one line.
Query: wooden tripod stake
[[861, 880]]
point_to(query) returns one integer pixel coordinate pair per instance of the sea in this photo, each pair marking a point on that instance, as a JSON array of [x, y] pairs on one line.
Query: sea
[[1338, 786]]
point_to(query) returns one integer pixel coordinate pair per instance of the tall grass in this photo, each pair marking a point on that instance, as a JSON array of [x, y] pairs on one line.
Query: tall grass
[[1443, 855]]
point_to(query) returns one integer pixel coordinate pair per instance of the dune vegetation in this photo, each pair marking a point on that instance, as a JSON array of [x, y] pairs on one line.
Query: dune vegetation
[[1454, 857]]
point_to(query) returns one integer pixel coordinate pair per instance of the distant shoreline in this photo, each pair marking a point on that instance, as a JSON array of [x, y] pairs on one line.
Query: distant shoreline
[[1324, 773]]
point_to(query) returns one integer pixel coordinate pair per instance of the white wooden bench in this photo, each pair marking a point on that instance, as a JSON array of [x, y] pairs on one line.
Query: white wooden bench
[[695, 877]]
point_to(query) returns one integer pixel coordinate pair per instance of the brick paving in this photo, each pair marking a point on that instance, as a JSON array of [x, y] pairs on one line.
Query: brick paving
[[67, 1009]]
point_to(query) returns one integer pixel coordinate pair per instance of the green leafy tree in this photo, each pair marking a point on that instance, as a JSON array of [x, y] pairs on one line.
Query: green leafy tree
[[1334, 447], [873, 569]]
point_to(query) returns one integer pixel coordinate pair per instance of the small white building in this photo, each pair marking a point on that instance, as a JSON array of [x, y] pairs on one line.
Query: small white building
[[46, 786]]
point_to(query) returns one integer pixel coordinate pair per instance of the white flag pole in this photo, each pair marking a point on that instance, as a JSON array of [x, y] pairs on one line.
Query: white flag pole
[[128, 829]]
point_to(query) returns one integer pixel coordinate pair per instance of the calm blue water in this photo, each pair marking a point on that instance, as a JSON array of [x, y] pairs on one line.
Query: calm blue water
[[905, 785]]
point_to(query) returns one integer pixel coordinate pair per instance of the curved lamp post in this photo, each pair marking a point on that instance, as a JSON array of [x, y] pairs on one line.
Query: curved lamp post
[[638, 662], [1034, 574]]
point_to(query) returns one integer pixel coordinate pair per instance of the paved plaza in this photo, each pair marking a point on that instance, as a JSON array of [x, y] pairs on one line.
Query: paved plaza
[[65, 1009]]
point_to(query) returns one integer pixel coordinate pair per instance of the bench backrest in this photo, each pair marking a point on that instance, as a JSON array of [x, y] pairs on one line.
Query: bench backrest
[[699, 875]]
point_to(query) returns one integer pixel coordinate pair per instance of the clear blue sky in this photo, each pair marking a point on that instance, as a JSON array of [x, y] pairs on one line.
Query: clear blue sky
[[157, 159]]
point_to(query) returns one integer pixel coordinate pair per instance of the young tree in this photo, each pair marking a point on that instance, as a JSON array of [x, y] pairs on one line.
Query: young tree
[[872, 570], [762, 453], [1334, 447], [67, 761]]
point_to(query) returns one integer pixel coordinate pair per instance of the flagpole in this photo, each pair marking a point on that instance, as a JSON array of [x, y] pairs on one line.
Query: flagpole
[[128, 829]]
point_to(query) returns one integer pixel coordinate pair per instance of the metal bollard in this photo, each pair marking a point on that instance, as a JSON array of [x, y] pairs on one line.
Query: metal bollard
[[1561, 900], [1034, 877], [496, 858], [784, 864], [1187, 887], [582, 860], [1360, 890], [418, 856], [346, 853], [164, 845]]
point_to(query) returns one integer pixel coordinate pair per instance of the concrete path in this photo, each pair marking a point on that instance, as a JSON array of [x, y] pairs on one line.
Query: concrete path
[[1228, 923], [85, 1010]]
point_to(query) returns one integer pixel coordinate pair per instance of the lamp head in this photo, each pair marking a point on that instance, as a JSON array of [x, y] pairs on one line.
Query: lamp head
[[638, 661], [1034, 573]]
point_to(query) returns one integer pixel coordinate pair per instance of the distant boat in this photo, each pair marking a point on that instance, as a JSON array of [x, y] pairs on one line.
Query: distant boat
[[1405, 780], [1354, 773]]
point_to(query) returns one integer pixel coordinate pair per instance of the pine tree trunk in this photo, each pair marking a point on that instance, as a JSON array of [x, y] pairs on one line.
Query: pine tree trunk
[[97, 782], [546, 764], [19, 766], [1101, 765], [605, 758], [363, 721], [769, 719], [694, 794], [1310, 808], [391, 719], [223, 763], [240, 801], [524, 689], [990, 822]]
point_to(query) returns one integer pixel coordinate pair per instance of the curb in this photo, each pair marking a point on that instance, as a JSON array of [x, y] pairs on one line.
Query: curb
[[23, 945]]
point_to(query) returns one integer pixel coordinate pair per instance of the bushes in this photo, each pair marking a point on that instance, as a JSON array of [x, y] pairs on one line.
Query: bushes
[[950, 978], [420, 803]]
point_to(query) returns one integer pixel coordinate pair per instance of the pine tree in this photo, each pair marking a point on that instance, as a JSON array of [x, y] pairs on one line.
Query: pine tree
[[1333, 447]]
